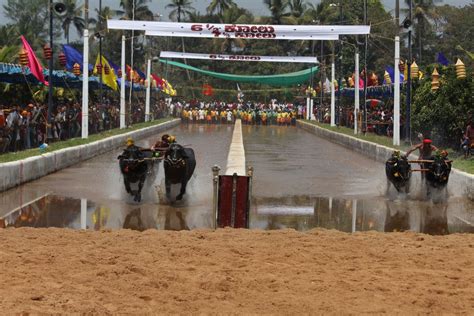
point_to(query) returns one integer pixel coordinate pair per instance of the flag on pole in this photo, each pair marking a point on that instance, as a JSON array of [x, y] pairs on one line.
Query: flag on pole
[[440, 58], [109, 79], [33, 62], [73, 56]]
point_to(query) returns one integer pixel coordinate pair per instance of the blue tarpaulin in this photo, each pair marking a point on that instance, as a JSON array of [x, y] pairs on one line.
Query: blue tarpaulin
[[14, 73]]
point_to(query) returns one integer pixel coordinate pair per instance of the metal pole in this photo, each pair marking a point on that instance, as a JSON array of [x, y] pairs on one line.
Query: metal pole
[[122, 86], [215, 181], [308, 115], [356, 92], [364, 128], [339, 103], [333, 93], [148, 86], [131, 66], [354, 215], [408, 110], [85, 86], [322, 81], [396, 97], [50, 74], [100, 53]]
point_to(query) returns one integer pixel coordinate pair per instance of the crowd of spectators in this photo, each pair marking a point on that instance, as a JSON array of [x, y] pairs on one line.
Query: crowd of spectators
[[251, 113], [25, 127]]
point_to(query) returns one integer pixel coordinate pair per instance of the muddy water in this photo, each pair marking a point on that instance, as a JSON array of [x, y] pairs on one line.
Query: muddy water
[[302, 181], [99, 181]]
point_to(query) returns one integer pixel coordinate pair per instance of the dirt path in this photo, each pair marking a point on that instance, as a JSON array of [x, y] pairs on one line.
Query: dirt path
[[234, 271]]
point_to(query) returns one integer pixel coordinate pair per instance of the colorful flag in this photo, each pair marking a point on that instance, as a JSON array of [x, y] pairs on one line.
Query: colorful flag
[[33, 62], [109, 79], [73, 56], [440, 58]]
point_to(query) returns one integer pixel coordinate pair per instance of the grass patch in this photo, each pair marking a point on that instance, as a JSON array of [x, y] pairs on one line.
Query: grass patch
[[466, 165], [77, 141]]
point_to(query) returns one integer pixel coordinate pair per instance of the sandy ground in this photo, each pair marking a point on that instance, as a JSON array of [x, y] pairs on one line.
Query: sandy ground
[[234, 272]]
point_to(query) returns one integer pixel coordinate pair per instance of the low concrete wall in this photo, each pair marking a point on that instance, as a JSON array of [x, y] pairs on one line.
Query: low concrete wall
[[18, 172], [461, 182]]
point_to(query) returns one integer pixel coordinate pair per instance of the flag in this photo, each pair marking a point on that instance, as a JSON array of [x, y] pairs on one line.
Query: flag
[[207, 89], [73, 56], [140, 73], [109, 79], [391, 72], [33, 62], [114, 66], [134, 75], [159, 81], [440, 58]]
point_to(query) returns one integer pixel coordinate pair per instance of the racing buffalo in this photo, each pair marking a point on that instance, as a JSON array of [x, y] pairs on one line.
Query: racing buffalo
[[398, 171], [437, 175], [179, 165]]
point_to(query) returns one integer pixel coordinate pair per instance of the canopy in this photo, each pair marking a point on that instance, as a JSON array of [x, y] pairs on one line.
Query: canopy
[[14, 73], [287, 79]]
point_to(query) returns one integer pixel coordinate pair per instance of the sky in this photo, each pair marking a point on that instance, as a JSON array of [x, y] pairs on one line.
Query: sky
[[255, 6]]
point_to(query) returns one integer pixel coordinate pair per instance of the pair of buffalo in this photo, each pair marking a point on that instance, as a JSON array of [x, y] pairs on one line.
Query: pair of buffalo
[[436, 173], [179, 165]]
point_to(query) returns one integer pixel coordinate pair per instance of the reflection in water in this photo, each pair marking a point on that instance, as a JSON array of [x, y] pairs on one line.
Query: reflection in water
[[298, 212], [362, 215]]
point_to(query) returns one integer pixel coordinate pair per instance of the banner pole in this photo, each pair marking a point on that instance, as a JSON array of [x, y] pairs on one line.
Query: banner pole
[[85, 87]]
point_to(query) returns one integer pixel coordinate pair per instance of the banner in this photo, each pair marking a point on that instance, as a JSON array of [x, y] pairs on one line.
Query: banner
[[275, 59], [256, 31]]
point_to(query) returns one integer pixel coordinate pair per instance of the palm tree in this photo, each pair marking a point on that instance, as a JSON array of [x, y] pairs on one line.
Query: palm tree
[[424, 13], [220, 6], [73, 16], [278, 11], [137, 9], [180, 9], [233, 15], [297, 8]]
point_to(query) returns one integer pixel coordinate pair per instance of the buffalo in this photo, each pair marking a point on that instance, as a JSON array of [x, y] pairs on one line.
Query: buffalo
[[179, 165], [398, 171], [437, 174]]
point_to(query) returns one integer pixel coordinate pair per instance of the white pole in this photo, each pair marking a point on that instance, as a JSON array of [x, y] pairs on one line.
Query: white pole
[[333, 95], [85, 86], [396, 97], [83, 213], [147, 100], [311, 116], [356, 93], [307, 108], [122, 86], [354, 215]]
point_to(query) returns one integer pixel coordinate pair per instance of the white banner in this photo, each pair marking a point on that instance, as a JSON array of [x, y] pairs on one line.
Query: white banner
[[262, 31], [275, 59]]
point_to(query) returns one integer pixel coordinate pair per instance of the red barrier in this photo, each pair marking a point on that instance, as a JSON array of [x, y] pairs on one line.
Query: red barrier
[[233, 201]]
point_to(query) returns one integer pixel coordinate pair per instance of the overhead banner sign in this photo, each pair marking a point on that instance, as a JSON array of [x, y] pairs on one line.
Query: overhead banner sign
[[275, 59], [255, 31]]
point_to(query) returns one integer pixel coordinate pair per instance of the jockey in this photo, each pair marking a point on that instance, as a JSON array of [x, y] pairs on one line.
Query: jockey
[[162, 145], [132, 151], [425, 148]]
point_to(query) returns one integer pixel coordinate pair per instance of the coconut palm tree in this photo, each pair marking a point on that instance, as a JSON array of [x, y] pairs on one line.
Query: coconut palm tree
[[424, 13], [297, 8], [135, 9], [279, 13], [219, 6], [73, 16], [180, 9]]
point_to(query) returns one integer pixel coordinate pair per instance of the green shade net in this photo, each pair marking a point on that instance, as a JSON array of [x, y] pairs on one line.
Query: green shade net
[[287, 79]]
